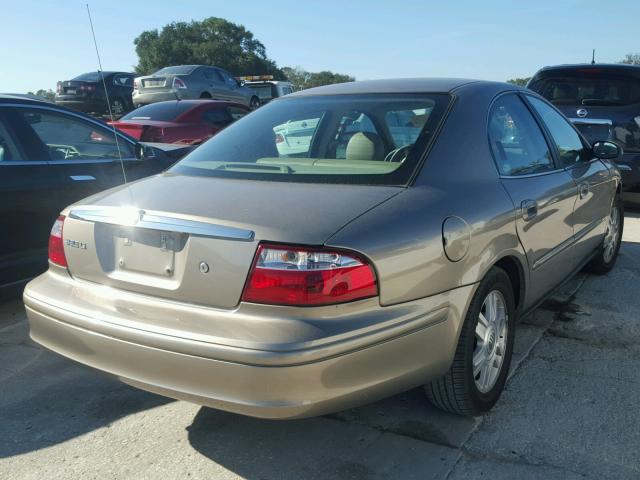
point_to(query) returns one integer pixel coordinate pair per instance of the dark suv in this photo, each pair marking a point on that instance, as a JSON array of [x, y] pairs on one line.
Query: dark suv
[[603, 101], [86, 92]]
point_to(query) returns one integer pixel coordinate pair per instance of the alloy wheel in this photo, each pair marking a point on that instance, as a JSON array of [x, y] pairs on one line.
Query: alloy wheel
[[490, 341], [611, 237]]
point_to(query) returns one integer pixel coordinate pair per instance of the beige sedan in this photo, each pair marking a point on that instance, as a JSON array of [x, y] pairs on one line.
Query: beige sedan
[[397, 248]]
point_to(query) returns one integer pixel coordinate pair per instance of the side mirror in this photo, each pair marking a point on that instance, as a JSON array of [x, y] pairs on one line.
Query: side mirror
[[144, 152], [606, 150]]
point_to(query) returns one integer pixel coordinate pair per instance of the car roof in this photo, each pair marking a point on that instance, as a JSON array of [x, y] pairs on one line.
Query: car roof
[[611, 68], [23, 98], [401, 85]]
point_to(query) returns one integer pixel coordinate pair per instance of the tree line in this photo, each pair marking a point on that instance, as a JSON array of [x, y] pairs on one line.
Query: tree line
[[216, 41]]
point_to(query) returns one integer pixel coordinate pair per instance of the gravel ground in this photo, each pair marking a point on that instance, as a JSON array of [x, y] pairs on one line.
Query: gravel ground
[[569, 411]]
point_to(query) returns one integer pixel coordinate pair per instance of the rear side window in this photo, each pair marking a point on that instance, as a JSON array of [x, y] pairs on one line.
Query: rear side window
[[570, 147], [161, 111], [517, 142]]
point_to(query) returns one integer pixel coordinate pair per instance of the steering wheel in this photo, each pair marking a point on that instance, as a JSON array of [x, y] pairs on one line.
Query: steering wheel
[[68, 151], [396, 153]]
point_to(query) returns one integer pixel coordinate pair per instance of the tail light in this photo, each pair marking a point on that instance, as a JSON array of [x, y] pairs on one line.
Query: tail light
[[279, 138], [135, 84], [283, 275], [178, 83], [59, 87], [56, 244]]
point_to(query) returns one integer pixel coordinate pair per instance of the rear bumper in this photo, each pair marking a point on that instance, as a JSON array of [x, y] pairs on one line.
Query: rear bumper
[[145, 98], [86, 105], [327, 375]]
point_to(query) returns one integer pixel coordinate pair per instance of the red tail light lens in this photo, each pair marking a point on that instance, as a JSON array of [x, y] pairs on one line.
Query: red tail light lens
[[135, 85], [177, 83], [299, 276], [279, 138], [56, 244]]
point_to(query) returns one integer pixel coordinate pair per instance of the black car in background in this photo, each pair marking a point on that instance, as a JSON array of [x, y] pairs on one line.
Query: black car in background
[[603, 101], [51, 157], [86, 92]]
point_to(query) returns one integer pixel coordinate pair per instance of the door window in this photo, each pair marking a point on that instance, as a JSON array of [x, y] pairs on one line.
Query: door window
[[218, 117], [123, 80], [518, 145], [570, 146], [8, 147], [237, 112], [71, 138], [213, 75], [228, 79]]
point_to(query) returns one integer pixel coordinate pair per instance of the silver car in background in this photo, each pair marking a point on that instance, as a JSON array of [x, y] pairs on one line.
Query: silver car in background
[[396, 245], [191, 81]]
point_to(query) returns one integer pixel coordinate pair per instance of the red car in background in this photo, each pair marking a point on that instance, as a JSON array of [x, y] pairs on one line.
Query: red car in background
[[187, 122]]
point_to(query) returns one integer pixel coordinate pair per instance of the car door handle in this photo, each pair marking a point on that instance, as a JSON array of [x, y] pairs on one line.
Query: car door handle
[[82, 178], [529, 209], [583, 190]]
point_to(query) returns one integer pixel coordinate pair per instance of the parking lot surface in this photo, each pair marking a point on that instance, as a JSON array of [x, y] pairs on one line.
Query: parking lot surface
[[569, 411]]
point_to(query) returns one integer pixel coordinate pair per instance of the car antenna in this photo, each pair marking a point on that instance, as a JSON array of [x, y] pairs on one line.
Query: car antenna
[[106, 94], [593, 57]]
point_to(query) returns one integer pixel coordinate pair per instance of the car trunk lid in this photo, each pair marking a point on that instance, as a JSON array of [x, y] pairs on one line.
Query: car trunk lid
[[194, 239]]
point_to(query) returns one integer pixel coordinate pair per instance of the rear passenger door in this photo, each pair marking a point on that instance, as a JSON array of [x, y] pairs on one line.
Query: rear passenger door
[[596, 187], [543, 193]]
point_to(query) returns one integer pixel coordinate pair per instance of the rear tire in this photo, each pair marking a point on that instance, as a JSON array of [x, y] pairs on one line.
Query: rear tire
[[469, 390], [607, 254], [254, 103], [205, 95]]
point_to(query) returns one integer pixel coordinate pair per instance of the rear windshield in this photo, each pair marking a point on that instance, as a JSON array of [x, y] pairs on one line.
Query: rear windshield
[[263, 90], [364, 139], [589, 90], [161, 111], [88, 77], [177, 70]]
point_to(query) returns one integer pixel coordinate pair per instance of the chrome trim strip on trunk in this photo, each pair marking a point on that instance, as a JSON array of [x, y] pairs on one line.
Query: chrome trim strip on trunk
[[131, 217]]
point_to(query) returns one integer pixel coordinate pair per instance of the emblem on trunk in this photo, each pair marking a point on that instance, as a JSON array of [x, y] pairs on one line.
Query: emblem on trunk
[[75, 244], [204, 267], [582, 112]]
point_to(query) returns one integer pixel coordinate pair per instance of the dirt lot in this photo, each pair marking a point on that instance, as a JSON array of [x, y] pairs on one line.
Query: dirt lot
[[570, 410]]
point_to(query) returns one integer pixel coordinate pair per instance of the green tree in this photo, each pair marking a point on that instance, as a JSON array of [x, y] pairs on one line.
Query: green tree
[[212, 41], [519, 81], [48, 94], [631, 59], [302, 79]]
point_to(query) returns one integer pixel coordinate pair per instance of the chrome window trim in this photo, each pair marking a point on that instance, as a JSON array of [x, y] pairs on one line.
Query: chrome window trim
[[131, 217]]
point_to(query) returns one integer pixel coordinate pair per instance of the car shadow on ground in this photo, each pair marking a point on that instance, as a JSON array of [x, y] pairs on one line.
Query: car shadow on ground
[[340, 445], [51, 400]]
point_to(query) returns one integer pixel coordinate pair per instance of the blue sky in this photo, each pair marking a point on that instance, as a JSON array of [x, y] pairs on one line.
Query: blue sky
[[45, 41]]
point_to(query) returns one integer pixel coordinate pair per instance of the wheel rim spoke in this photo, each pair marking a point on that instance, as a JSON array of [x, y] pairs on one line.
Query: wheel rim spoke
[[490, 341]]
